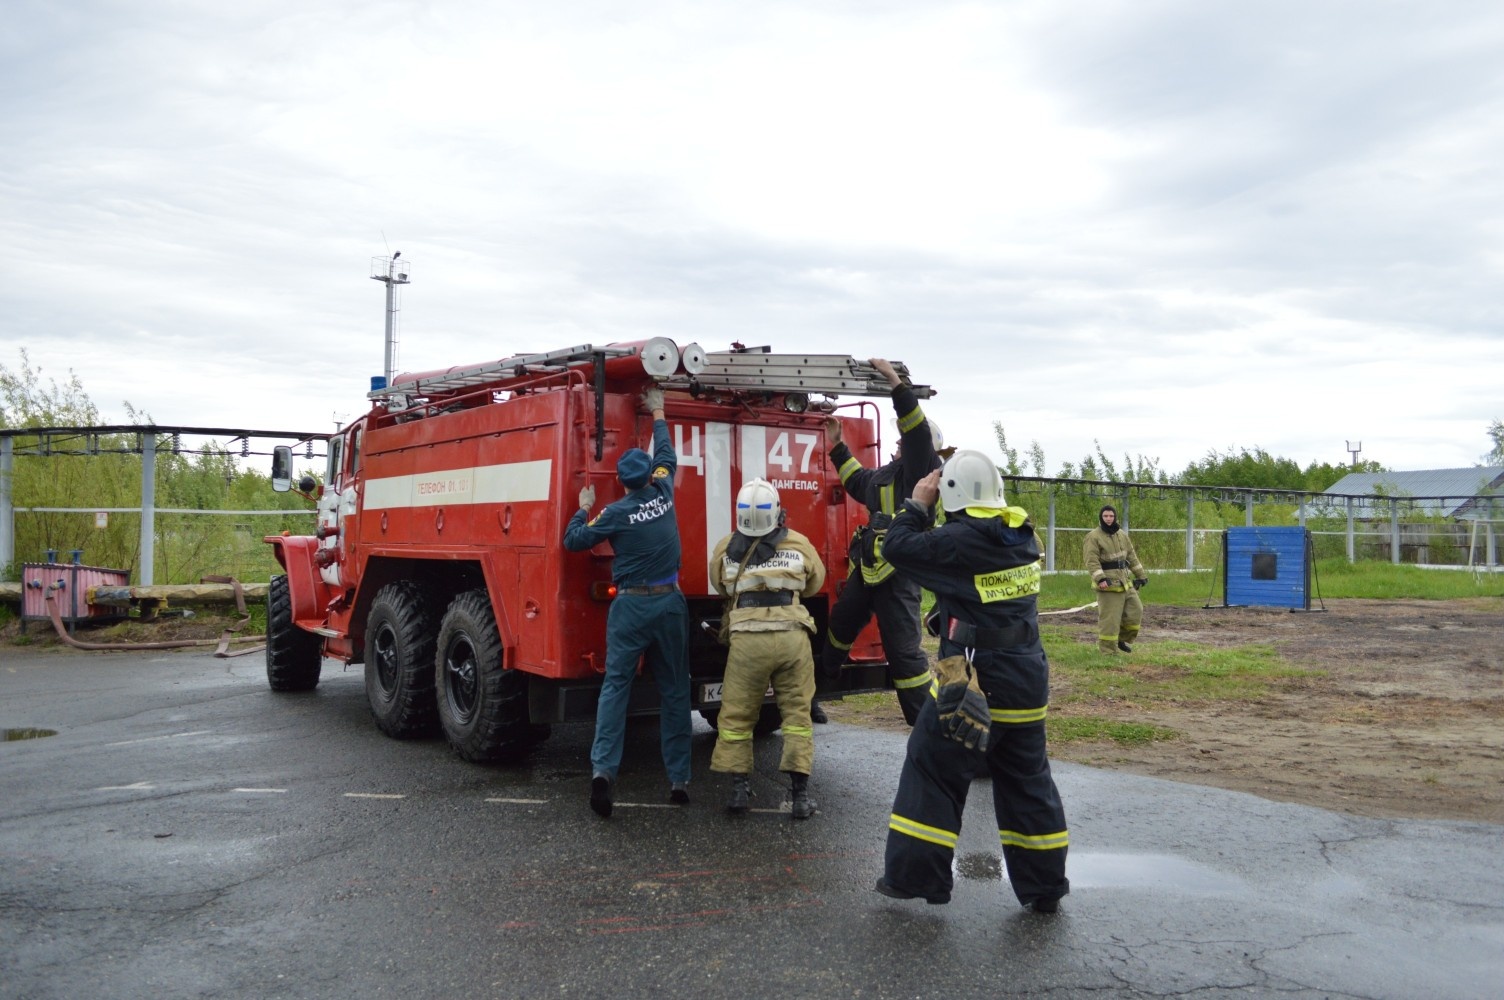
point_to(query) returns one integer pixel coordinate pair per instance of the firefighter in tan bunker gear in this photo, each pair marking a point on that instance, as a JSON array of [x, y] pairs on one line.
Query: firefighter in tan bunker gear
[[1117, 575], [766, 569]]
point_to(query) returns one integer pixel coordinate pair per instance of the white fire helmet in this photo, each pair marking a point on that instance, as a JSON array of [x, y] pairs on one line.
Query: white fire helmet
[[757, 508], [935, 435], [970, 479]]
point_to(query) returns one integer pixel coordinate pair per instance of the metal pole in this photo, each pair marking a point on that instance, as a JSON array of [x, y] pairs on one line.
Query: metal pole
[[1190, 531], [1248, 508], [1049, 538], [1351, 549], [1493, 546], [392, 278], [1394, 531], [7, 509], [391, 315], [146, 571]]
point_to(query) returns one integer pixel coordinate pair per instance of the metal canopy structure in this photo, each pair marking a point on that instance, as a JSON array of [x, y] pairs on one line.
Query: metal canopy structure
[[146, 440], [89, 440]]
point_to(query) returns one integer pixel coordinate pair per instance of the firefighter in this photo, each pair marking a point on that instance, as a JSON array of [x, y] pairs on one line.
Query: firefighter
[[766, 568], [648, 618], [872, 587], [1118, 576], [987, 704]]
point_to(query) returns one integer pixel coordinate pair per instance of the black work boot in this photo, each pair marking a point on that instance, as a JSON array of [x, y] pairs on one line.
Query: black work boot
[[1124, 646], [803, 806], [600, 795], [817, 714], [741, 794]]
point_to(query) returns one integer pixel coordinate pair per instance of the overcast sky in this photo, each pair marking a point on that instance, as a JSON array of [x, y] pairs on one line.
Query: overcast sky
[[1171, 227]]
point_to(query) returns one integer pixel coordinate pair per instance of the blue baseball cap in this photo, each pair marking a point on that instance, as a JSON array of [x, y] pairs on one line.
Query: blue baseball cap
[[633, 467]]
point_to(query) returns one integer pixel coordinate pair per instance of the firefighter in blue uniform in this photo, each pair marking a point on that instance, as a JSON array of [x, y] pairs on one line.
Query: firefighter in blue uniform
[[983, 566], [872, 587], [648, 618]]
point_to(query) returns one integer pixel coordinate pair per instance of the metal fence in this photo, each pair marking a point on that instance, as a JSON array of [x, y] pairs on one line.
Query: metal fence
[[1173, 527], [1181, 526]]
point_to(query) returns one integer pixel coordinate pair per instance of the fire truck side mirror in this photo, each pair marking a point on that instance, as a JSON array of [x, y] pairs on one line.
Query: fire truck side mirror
[[281, 468]]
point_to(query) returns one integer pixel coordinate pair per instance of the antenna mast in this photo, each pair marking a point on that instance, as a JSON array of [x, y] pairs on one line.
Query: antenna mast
[[392, 274]]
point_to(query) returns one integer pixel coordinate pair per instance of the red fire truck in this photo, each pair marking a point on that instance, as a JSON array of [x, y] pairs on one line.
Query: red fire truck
[[437, 559]]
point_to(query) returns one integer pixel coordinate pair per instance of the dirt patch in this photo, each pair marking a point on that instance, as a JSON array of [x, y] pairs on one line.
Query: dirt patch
[[1404, 715]]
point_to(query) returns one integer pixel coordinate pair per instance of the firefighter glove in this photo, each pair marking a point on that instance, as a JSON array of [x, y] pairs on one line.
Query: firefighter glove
[[1140, 583], [587, 497], [653, 399], [961, 705]]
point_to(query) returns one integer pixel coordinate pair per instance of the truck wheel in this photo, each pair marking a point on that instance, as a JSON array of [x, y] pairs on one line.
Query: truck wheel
[[482, 707], [399, 662], [293, 657]]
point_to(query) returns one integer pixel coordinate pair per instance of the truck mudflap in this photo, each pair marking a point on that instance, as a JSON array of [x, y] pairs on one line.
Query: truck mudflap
[[304, 585]]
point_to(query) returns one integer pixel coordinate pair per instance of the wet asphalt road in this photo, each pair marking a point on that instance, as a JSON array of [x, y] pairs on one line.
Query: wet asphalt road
[[189, 834]]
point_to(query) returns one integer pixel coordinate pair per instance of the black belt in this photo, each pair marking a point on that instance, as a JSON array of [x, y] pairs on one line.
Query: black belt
[[1114, 563], [967, 634], [657, 588], [765, 599]]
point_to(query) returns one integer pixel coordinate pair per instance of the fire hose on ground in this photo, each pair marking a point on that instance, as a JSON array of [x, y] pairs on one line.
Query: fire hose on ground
[[222, 651]]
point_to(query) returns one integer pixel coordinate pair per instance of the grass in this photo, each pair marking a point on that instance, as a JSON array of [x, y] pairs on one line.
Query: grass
[[1086, 729], [882, 707], [1166, 672]]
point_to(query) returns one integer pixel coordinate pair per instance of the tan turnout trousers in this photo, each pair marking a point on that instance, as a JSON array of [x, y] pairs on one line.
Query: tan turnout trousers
[[781, 659]]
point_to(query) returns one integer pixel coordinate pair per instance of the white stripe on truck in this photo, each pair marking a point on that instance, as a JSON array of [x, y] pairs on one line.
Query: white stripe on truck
[[508, 482]]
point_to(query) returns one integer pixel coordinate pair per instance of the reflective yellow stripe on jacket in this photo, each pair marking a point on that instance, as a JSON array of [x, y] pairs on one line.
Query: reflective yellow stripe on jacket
[[880, 569]]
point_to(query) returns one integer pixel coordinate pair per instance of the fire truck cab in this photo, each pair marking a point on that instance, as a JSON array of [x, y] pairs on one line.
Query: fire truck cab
[[437, 558]]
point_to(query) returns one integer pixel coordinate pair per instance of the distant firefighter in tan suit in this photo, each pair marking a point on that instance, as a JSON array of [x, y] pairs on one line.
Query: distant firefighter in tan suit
[[1118, 575]]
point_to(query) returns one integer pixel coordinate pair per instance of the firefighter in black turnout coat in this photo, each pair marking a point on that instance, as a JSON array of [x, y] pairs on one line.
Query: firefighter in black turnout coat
[[872, 587], [983, 566]]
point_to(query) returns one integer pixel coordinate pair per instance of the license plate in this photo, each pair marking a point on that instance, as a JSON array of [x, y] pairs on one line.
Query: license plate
[[711, 693]]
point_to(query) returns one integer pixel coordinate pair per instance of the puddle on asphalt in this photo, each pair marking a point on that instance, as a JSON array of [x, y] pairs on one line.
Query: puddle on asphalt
[[1148, 871], [27, 734], [1114, 871]]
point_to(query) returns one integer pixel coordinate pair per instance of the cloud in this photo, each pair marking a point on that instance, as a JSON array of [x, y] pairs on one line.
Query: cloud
[[1166, 226]]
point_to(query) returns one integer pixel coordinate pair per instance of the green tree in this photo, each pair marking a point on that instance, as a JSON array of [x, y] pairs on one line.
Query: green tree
[[1011, 465], [1496, 434], [1254, 469], [106, 474], [1321, 475], [25, 401]]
